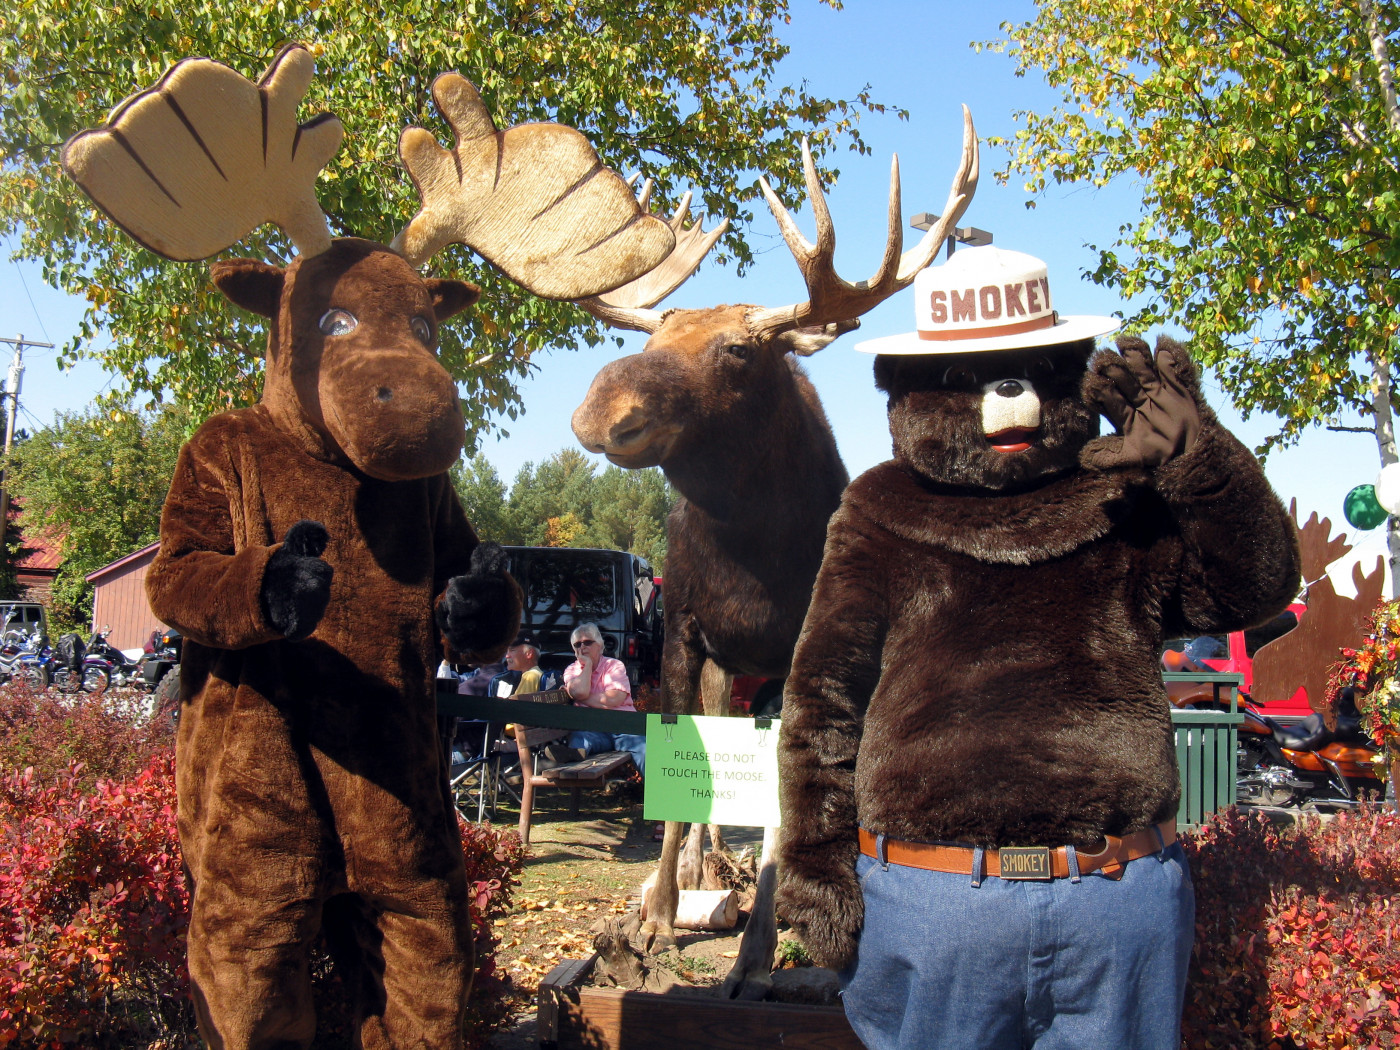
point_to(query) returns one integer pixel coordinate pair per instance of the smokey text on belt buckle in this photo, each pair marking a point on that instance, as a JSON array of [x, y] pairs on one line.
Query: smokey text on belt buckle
[[1025, 862]]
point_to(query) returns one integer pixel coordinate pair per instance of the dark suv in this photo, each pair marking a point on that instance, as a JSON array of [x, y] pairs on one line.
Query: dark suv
[[568, 586]]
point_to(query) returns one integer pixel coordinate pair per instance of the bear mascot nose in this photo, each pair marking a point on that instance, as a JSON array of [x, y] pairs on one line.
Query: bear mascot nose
[[1010, 388]]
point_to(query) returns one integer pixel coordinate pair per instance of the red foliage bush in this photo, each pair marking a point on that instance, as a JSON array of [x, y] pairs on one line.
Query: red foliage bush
[[93, 909], [93, 902], [111, 736], [1297, 933]]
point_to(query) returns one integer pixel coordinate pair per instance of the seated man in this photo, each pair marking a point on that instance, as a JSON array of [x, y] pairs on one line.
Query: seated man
[[595, 680], [522, 673]]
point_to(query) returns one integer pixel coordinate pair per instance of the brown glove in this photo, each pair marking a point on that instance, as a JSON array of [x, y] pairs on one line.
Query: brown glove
[[1155, 406]]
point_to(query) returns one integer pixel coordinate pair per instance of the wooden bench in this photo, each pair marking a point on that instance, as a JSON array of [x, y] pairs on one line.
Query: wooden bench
[[591, 772], [552, 710]]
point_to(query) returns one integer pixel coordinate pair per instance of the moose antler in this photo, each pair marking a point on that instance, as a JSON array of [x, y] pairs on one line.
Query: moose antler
[[833, 299], [195, 163], [533, 200], [627, 307]]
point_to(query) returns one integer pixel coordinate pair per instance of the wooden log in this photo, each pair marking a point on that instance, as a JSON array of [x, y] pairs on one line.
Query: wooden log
[[699, 909]]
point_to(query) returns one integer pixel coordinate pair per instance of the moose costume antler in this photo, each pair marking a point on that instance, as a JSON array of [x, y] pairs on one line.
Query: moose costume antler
[[534, 200], [206, 156], [312, 549], [195, 163]]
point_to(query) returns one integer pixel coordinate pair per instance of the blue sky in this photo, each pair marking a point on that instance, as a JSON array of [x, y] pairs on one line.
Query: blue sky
[[914, 54]]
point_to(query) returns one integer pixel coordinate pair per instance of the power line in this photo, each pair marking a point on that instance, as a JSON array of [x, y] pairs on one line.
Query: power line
[[32, 305]]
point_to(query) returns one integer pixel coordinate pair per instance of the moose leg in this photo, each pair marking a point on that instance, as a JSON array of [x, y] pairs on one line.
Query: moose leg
[[692, 859], [752, 973], [681, 660], [658, 932], [716, 685]]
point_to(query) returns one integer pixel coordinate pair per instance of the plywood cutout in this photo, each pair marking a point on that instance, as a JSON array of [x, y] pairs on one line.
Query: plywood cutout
[[1301, 658]]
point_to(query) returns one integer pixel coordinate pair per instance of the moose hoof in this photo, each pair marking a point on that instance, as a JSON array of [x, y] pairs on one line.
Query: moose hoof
[[745, 984], [657, 939]]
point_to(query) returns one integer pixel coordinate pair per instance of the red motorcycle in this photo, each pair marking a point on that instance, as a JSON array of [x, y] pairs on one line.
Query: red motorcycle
[[1282, 764]]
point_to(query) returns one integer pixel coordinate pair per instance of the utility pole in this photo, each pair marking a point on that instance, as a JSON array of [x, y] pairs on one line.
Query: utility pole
[[11, 393]]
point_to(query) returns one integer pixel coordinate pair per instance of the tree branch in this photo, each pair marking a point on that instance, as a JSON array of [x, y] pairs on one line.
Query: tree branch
[[1385, 72]]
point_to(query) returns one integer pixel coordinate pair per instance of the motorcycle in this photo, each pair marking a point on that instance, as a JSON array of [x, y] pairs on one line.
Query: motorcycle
[[25, 658], [1291, 765], [105, 665], [1285, 765], [161, 656], [72, 671]]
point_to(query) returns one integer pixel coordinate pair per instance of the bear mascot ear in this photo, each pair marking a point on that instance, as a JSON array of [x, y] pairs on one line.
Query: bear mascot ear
[[451, 297], [253, 285]]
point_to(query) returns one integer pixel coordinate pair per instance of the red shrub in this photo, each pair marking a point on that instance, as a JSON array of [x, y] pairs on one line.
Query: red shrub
[[93, 909], [1297, 933], [111, 736]]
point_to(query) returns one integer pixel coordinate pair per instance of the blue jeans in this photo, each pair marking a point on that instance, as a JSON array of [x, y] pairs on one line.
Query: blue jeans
[[1006, 965], [591, 742]]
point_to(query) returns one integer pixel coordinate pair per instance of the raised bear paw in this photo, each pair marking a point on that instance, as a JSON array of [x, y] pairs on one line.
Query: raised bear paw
[[475, 607], [296, 584], [1155, 405]]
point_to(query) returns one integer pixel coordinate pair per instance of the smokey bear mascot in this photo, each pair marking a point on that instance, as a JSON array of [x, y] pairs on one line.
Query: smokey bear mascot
[[979, 779]]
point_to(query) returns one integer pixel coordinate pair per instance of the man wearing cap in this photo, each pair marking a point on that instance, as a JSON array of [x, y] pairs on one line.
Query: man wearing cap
[[522, 673], [979, 783]]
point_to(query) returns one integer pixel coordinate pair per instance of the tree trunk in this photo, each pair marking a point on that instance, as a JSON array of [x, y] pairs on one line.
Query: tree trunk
[[1385, 442]]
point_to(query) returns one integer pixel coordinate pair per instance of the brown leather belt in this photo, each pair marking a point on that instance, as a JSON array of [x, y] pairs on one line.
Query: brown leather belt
[[1022, 862]]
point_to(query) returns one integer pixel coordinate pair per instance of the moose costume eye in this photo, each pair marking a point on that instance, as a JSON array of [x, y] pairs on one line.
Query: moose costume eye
[[422, 330], [338, 322]]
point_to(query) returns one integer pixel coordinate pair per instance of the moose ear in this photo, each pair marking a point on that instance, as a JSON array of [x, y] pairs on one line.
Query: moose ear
[[451, 297], [804, 342], [253, 285]]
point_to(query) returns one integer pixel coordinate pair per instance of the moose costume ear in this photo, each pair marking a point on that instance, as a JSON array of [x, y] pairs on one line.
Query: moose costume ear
[[451, 297], [253, 285]]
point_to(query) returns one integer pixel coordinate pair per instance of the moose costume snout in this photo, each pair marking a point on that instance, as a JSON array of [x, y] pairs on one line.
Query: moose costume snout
[[351, 360]]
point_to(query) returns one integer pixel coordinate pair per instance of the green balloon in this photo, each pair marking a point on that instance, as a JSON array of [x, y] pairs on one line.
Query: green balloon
[[1362, 509]]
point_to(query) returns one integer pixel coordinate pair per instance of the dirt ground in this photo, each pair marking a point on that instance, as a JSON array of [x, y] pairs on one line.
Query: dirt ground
[[578, 871]]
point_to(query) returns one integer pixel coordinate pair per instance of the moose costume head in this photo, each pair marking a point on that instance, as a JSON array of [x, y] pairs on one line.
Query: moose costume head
[[313, 552], [976, 699]]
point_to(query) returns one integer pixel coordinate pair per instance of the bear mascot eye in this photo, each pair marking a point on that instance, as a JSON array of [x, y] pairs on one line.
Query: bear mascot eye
[[960, 377], [422, 330], [1039, 367]]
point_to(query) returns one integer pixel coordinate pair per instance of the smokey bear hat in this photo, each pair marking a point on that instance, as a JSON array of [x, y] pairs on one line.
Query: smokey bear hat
[[986, 298]]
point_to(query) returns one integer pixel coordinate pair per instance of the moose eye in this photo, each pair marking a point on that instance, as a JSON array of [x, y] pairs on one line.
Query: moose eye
[[960, 377], [1039, 367], [338, 322], [739, 350], [422, 330]]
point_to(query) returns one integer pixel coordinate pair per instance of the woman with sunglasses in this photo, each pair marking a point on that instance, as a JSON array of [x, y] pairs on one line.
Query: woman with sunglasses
[[595, 680]]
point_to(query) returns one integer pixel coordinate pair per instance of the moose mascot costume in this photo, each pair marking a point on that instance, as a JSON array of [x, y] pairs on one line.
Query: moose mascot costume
[[979, 784], [312, 549]]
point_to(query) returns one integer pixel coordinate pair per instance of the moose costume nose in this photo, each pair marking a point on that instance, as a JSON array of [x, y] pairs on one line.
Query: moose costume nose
[[1010, 388]]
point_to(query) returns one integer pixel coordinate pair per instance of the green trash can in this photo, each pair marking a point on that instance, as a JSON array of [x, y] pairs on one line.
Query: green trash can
[[1206, 743]]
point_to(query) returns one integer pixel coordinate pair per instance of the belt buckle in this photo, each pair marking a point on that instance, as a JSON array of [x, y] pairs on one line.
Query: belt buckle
[[1024, 863]]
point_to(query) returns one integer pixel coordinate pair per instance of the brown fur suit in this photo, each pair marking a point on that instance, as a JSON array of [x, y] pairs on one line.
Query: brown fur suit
[[980, 660], [312, 789]]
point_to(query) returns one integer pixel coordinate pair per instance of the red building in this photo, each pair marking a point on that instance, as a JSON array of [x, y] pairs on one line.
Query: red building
[[119, 599], [37, 566]]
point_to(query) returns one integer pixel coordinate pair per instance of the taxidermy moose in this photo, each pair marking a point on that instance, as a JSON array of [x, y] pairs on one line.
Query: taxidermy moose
[[312, 549], [719, 402]]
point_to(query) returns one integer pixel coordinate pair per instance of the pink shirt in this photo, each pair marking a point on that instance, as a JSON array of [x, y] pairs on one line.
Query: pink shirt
[[609, 674]]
